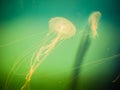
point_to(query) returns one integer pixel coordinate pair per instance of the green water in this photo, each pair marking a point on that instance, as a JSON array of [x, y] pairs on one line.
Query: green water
[[23, 26]]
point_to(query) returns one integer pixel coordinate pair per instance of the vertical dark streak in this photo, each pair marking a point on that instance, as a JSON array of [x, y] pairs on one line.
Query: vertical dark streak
[[115, 84], [83, 47]]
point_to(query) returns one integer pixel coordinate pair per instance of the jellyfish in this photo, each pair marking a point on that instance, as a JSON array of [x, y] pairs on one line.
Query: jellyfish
[[93, 21], [60, 29]]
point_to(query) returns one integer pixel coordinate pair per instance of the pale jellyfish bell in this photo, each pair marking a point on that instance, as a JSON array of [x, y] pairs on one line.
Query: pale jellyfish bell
[[93, 21], [62, 27]]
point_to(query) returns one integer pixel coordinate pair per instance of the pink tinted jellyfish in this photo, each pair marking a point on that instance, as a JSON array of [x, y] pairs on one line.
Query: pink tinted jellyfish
[[59, 29], [93, 21]]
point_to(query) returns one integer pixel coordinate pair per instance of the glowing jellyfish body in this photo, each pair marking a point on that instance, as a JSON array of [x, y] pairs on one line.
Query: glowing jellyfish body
[[93, 22], [62, 29]]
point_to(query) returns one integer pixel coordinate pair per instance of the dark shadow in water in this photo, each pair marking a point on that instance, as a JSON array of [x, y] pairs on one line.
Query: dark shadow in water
[[82, 50], [83, 47], [115, 85]]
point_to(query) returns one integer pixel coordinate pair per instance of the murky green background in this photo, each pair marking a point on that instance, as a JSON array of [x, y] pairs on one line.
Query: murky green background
[[23, 26]]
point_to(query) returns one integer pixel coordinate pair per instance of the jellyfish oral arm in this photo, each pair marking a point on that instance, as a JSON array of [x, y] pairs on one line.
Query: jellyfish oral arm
[[45, 50]]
